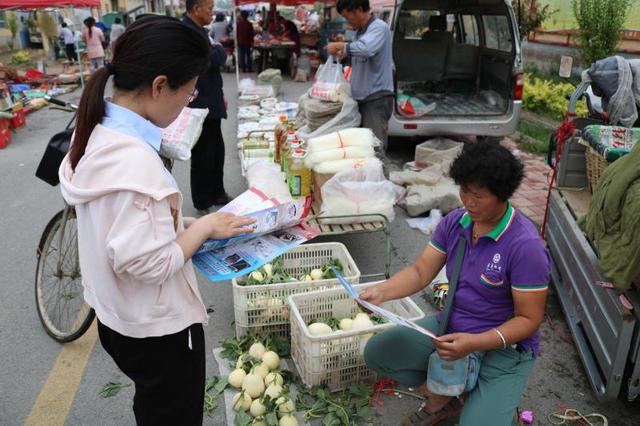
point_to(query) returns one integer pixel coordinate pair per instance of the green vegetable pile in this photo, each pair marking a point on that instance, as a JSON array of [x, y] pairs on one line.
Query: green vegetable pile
[[271, 404], [275, 273]]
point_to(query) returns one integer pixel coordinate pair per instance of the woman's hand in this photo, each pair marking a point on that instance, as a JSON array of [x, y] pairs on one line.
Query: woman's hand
[[455, 345], [227, 225], [373, 295]]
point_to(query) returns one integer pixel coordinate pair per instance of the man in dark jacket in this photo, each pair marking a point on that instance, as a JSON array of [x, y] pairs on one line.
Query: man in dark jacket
[[207, 156], [245, 41]]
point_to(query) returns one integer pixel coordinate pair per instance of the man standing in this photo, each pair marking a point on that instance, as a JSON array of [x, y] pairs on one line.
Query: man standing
[[116, 31], [245, 41], [69, 42], [207, 156], [371, 61]]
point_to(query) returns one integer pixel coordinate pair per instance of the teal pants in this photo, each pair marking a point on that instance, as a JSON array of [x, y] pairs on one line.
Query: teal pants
[[403, 355]]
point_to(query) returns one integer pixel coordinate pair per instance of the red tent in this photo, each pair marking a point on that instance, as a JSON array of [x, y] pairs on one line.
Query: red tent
[[279, 2], [41, 4]]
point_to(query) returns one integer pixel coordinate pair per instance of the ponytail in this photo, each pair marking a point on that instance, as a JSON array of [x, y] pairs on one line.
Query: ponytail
[[90, 113]]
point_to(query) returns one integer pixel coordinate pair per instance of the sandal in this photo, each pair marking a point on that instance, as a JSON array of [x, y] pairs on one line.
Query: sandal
[[426, 418]]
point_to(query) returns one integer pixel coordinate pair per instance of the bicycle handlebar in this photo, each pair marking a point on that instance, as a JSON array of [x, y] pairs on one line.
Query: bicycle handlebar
[[55, 101]]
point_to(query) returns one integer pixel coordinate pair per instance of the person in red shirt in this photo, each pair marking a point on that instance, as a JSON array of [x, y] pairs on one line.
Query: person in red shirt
[[245, 41]]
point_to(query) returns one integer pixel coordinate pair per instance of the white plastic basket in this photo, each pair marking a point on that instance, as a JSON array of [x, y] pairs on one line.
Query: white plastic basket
[[263, 309], [336, 360]]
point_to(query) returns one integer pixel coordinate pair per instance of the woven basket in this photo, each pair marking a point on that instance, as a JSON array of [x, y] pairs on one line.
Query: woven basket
[[595, 167]]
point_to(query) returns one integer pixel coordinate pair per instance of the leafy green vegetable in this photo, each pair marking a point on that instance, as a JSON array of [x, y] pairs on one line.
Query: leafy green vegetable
[[112, 389], [346, 408], [279, 275], [213, 388]]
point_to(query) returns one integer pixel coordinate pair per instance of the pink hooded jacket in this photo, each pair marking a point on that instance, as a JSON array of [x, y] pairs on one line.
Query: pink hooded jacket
[[129, 214]]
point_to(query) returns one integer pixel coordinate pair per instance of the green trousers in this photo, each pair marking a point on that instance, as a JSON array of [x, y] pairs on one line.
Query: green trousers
[[402, 354]]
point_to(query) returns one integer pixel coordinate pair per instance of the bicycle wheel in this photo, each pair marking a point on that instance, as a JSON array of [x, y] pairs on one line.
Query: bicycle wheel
[[59, 294]]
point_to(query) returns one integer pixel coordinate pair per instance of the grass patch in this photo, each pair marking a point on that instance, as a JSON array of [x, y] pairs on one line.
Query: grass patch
[[534, 137]]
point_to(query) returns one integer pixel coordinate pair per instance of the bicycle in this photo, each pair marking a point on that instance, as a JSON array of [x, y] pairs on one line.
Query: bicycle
[[58, 282]]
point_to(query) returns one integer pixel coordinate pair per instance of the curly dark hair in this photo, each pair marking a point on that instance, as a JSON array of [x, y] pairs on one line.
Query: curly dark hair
[[488, 164]]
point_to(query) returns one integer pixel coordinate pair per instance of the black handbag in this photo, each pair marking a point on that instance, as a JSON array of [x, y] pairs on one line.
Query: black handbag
[[54, 153]]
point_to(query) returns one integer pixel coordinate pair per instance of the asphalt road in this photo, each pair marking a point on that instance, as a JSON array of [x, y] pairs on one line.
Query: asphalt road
[[43, 382]]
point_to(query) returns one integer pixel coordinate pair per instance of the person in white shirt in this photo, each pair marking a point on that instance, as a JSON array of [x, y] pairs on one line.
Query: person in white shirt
[[219, 29], [116, 31], [67, 35]]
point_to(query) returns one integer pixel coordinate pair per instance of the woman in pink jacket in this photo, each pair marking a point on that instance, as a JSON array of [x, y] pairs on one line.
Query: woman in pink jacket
[[93, 38], [135, 246]]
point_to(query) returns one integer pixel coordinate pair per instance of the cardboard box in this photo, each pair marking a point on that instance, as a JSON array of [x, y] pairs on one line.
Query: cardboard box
[[319, 179]]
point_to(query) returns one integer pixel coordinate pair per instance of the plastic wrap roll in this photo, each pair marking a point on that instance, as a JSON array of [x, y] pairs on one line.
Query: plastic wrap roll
[[343, 138], [340, 165], [349, 152]]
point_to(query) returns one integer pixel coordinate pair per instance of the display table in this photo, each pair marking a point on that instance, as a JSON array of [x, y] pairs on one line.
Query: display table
[[374, 223]]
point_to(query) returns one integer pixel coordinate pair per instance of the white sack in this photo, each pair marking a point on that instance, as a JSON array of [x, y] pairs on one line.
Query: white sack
[[181, 135]]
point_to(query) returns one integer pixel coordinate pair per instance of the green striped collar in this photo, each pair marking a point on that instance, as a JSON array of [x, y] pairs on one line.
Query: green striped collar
[[502, 226]]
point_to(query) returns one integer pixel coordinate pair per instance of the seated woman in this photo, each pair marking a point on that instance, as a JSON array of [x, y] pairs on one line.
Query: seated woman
[[499, 301]]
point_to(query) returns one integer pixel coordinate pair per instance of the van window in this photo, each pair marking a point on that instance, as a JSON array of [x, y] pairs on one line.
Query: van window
[[470, 28], [497, 32], [413, 23]]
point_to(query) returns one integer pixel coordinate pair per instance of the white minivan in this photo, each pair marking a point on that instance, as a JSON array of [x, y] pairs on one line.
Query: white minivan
[[459, 65]]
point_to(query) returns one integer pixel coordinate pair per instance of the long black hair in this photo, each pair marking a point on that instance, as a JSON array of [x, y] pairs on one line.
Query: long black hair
[[89, 23], [152, 46]]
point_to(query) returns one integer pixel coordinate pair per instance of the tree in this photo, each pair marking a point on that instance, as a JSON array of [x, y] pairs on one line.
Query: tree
[[600, 23], [530, 16], [12, 23]]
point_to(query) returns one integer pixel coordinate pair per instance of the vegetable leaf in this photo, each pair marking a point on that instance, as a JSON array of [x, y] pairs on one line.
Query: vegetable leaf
[[112, 389]]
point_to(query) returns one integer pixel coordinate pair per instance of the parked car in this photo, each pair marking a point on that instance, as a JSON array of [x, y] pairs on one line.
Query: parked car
[[461, 63]]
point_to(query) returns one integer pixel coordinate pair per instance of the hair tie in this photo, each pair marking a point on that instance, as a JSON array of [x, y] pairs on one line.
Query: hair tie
[[110, 68]]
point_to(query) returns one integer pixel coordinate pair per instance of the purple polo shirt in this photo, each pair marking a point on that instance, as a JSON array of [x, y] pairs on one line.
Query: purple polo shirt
[[510, 258]]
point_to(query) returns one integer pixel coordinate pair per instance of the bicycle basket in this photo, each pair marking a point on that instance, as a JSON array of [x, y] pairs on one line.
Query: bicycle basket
[[54, 153]]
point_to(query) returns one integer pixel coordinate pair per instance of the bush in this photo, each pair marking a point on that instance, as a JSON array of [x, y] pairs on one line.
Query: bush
[[600, 23], [548, 98], [528, 18]]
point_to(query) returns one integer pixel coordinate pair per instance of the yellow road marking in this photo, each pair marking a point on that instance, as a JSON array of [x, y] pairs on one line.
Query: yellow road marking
[[56, 396]]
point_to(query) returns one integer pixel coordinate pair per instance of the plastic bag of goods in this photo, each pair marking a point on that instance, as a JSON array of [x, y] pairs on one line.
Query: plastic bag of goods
[[267, 177], [271, 77], [330, 84], [410, 106], [437, 151], [347, 117], [359, 191], [353, 137], [183, 133]]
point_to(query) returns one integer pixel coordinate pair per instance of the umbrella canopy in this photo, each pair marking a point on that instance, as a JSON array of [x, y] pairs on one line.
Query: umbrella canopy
[[279, 2], [42, 4]]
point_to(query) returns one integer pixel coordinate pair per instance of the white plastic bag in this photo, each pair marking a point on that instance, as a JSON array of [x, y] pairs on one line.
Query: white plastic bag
[[330, 84], [183, 133], [349, 116], [361, 191]]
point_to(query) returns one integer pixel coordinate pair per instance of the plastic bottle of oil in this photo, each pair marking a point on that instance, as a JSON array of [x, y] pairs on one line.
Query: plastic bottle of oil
[[298, 175], [284, 149]]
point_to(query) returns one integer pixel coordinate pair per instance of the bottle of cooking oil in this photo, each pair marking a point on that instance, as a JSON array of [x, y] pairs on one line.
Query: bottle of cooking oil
[[298, 175], [285, 149]]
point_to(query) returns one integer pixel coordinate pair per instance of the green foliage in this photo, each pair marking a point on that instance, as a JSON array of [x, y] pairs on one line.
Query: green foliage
[[12, 24], [600, 22], [21, 57], [213, 388], [548, 98], [528, 19], [112, 389], [349, 407], [533, 137]]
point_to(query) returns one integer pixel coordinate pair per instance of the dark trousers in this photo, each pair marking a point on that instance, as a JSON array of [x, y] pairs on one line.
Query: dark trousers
[[375, 116], [71, 52], [245, 58], [207, 163], [168, 375]]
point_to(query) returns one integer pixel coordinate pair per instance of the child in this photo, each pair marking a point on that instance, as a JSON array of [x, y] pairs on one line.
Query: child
[[135, 246]]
